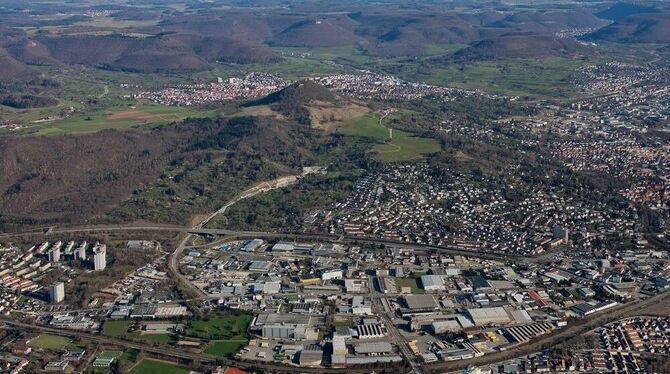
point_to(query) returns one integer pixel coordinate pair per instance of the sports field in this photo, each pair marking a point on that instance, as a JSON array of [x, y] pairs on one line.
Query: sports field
[[49, 342]]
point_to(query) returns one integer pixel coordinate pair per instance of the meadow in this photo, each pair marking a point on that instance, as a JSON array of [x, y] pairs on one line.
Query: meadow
[[119, 118], [149, 366], [49, 342], [220, 328], [395, 145], [116, 329], [225, 348]]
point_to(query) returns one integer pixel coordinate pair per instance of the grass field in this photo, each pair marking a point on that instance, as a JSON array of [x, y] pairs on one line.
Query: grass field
[[119, 118], [116, 328], [412, 283], [225, 348], [149, 366], [403, 146], [221, 328], [49, 342]]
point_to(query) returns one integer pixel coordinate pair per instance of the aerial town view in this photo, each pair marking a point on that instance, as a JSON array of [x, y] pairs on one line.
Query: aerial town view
[[350, 186]]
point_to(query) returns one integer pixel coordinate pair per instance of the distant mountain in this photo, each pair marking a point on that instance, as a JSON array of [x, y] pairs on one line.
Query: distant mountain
[[166, 53], [547, 22], [317, 33], [639, 28], [412, 38], [11, 69], [620, 11], [31, 52], [229, 50], [521, 46]]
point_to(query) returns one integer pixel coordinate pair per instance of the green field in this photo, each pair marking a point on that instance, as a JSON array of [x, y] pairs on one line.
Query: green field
[[149, 366], [403, 146], [225, 348], [221, 328], [49, 342], [412, 283], [119, 118], [116, 328]]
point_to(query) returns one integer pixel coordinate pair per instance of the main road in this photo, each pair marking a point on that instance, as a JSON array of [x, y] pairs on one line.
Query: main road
[[253, 191]]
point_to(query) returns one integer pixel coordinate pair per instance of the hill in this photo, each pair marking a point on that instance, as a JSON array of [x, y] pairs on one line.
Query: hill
[[547, 22], [74, 178], [91, 173], [293, 101], [413, 37], [230, 50], [31, 52], [521, 46], [165, 53], [620, 11], [638, 28], [11, 69], [317, 33]]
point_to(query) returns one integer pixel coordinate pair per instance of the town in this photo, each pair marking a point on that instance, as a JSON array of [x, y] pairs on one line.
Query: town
[[330, 304]]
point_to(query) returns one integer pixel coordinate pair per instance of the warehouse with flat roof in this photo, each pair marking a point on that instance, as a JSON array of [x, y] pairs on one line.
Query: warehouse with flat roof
[[487, 316]]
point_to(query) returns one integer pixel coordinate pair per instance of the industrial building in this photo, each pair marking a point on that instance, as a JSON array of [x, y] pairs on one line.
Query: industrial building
[[432, 283], [488, 316]]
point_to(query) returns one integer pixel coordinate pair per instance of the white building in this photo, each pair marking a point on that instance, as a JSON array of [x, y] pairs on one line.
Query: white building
[[331, 274], [432, 282], [81, 252], [57, 292], [99, 257], [360, 306], [54, 254]]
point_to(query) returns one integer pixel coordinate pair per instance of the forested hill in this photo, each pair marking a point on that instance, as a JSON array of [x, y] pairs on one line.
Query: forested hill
[[94, 173]]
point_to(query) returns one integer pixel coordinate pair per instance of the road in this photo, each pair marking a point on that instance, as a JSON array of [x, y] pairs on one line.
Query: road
[[446, 249], [396, 337], [253, 191]]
